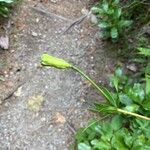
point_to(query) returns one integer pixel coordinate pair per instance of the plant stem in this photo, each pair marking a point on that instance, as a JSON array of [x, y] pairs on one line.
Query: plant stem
[[132, 114], [89, 79]]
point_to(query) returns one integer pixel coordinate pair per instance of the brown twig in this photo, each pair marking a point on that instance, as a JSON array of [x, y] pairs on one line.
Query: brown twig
[[50, 14], [11, 93], [77, 21]]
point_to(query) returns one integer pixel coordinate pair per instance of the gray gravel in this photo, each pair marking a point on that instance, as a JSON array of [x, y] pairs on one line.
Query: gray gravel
[[62, 91]]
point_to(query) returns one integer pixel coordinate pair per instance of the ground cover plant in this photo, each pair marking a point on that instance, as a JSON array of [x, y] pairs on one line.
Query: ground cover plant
[[130, 104], [111, 19], [125, 111], [5, 7], [116, 18]]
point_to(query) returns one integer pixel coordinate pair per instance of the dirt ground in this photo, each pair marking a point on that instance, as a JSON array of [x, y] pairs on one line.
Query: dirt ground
[[41, 107]]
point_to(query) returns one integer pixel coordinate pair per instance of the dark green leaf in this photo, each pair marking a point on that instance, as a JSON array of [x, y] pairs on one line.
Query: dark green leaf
[[146, 104]]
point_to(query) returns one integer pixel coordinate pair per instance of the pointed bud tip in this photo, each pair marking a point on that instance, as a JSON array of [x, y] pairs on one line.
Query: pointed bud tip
[[48, 60]]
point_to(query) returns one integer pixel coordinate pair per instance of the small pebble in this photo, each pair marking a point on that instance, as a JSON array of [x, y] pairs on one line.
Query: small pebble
[[34, 34]]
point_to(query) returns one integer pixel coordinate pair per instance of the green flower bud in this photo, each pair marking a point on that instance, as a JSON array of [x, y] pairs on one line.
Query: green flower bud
[[48, 60]]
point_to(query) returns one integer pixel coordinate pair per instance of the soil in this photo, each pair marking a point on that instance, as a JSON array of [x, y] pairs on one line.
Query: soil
[[41, 107]]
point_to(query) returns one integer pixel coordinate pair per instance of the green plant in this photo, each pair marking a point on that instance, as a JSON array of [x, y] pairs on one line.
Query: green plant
[[113, 103], [129, 129], [4, 7], [114, 136], [111, 19]]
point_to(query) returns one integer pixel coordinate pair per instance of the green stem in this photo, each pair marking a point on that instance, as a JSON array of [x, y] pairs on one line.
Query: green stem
[[89, 79], [132, 114], [102, 92]]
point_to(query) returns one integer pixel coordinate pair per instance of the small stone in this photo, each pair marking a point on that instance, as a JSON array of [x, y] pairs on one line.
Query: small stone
[[18, 92], [34, 34], [93, 19], [84, 11], [54, 1], [132, 67], [37, 20], [12, 51], [43, 119], [59, 130]]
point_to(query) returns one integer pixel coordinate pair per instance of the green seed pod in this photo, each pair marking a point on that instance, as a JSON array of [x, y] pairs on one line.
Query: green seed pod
[[48, 60]]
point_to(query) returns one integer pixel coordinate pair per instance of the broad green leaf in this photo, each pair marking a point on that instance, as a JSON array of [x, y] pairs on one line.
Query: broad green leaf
[[48, 60], [102, 145], [136, 93], [103, 25], [105, 6], [94, 142], [96, 10], [116, 122], [83, 146], [117, 12], [118, 140], [7, 1], [110, 11], [114, 33], [125, 99], [144, 51], [132, 108], [119, 72]]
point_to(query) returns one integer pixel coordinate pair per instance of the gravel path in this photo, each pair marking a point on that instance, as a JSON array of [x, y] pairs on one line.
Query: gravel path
[[48, 104]]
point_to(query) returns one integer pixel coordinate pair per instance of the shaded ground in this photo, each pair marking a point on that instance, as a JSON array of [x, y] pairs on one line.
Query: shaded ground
[[48, 103]]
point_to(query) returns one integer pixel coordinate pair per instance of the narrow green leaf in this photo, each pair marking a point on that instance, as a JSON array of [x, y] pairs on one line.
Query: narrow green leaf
[[147, 78], [125, 23], [144, 51]]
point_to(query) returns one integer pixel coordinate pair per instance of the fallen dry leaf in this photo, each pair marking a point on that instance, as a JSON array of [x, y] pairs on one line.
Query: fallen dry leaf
[[59, 118]]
